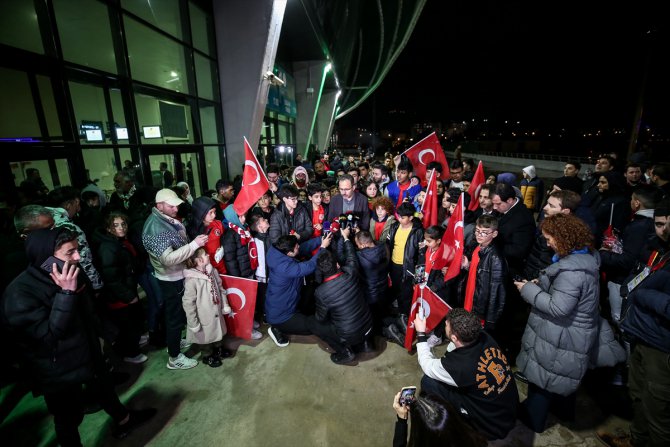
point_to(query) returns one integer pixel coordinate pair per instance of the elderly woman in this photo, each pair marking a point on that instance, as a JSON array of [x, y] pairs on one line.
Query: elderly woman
[[562, 327]]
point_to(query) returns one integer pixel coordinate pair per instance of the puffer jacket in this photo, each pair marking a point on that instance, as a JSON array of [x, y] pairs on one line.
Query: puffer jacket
[[374, 264], [562, 328], [236, 255], [648, 316], [282, 223], [489, 298], [340, 301], [117, 266], [411, 256]]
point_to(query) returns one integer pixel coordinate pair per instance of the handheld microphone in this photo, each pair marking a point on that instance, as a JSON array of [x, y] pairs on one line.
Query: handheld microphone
[[326, 228], [335, 226]]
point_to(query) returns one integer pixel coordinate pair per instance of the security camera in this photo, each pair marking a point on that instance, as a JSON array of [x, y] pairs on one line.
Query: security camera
[[274, 80]]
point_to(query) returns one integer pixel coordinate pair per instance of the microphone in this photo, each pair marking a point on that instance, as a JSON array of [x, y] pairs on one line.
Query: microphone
[[335, 226], [326, 227]]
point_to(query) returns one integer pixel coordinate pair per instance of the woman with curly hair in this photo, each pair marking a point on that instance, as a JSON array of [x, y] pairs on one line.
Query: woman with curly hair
[[562, 328], [382, 218]]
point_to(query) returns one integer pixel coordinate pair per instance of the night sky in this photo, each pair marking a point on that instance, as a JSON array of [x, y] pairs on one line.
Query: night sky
[[560, 64]]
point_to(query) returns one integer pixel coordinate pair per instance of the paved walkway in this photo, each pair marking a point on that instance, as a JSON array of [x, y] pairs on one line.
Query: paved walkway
[[270, 396]]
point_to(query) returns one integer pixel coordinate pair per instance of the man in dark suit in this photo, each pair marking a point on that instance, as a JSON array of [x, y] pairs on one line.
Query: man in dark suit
[[349, 200]]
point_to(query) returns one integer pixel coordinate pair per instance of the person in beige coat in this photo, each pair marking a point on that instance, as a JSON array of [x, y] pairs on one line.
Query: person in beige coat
[[205, 303]]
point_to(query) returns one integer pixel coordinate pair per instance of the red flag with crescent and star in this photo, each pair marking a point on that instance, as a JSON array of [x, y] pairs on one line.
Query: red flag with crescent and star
[[425, 151], [254, 182], [429, 207], [434, 309], [452, 241], [476, 185], [241, 294]]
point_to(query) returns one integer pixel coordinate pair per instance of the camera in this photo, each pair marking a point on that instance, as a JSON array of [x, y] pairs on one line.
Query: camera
[[407, 395]]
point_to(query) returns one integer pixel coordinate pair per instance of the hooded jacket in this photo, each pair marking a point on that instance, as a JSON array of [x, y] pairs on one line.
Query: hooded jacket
[[214, 231], [611, 201], [300, 170], [285, 280], [56, 333], [562, 328], [374, 263], [532, 190]]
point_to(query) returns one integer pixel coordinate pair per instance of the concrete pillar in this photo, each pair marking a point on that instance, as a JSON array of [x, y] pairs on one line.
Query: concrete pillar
[[307, 75], [246, 39], [324, 119]]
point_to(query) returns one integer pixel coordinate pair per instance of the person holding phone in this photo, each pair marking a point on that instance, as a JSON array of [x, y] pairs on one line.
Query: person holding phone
[[48, 313], [434, 422]]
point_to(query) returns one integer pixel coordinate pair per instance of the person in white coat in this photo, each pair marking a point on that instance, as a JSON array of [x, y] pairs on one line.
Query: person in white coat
[[205, 303]]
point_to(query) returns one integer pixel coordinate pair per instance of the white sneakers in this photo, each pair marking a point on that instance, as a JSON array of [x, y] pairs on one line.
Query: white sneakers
[[181, 362]]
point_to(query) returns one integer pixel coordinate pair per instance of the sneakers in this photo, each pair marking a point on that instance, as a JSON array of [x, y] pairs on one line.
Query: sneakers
[[181, 362], [611, 440], [256, 335], [433, 341], [256, 324], [277, 337], [139, 358], [135, 419], [393, 334], [520, 377], [345, 356], [144, 340], [212, 360]]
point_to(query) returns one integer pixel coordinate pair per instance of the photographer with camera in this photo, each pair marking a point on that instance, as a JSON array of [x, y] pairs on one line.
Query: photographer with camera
[[434, 422]]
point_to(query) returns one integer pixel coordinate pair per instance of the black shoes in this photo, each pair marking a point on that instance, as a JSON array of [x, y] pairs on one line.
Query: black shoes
[[393, 334], [135, 419], [213, 361], [402, 323], [345, 356], [277, 337], [367, 346], [222, 352]]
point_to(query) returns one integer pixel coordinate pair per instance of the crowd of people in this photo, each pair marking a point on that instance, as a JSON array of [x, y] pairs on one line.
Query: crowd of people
[[557, 277]]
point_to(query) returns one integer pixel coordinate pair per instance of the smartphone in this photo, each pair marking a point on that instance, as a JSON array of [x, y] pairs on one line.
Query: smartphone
[[518, 278], [407, 395], [47, 265]]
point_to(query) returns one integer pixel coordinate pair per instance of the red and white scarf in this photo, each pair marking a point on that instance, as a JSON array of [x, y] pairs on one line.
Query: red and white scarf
[[246, 239]]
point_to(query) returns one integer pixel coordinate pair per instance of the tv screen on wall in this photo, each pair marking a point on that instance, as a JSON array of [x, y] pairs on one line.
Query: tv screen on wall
[[152, 131], [93, 135], [121, 133]]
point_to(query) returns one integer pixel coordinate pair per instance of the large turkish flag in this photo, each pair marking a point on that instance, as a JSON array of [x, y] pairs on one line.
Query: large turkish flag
[[254, 182], [242, 299]]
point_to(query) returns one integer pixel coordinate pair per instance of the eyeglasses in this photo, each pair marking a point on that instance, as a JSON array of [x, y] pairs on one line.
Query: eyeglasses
[[482, 232]]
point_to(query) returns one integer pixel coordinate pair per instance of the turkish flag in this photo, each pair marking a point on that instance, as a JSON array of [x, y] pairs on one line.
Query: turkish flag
[[242, 299], [452, 241], [425, 151], [434, 309], [429, 207], [254, 182], [476, 185]]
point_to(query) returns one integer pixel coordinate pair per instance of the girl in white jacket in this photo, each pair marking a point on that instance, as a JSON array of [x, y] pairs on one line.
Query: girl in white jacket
[[205, 303]]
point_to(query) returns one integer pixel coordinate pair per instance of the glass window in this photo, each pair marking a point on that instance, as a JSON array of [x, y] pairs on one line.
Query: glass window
[[101, 167], [37, 174], [191, 172], [49, 106], [163, 121], [85, 33], [213, 165], [119, 116], [18, 118], [19, 27], [210, 125], [202, 29], [164, 14], [155, 59], [90, 113], [162, 170], [205, 75]]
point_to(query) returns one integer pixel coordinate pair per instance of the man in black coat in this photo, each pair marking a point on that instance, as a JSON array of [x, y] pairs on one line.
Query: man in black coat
[[349, 201], [49, 316], [340, 300]]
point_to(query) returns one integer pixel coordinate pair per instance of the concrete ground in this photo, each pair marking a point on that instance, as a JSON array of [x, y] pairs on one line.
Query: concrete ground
[[269, 396]]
